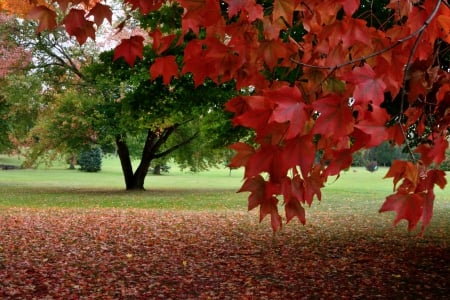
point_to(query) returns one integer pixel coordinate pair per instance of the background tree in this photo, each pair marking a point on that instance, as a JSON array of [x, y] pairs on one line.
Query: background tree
[[93, 100], [325, 81], [167, 121]]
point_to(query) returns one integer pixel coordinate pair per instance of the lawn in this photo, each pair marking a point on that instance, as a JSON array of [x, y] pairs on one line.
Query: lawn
[[69, 235]]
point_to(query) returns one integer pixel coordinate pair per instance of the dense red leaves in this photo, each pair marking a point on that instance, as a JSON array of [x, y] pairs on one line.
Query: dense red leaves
[[334, 105], [434, 153], [130, 49]]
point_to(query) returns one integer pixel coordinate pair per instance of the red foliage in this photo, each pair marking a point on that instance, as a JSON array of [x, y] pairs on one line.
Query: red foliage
[[12, 55], [345, 70]]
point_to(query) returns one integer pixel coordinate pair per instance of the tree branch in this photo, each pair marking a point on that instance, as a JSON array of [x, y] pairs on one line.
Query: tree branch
[[69, 64], [170, 150]]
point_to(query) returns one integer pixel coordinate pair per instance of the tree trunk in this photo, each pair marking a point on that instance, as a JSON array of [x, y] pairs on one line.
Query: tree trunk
[[72, 161], [135, 181], [132, 181], [154, 141]]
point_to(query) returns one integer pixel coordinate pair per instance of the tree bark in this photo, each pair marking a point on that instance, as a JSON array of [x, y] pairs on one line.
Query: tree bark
[[125, 162], [154, 141]]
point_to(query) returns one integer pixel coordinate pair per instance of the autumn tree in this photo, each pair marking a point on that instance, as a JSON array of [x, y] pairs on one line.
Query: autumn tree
[[13, 59], [326, 82]]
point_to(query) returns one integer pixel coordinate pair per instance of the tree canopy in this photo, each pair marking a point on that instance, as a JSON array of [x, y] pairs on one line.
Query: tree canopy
[[326, 80]]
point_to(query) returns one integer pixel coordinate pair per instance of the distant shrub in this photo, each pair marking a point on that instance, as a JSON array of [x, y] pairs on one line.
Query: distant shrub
[[372, 166], [90, 160]]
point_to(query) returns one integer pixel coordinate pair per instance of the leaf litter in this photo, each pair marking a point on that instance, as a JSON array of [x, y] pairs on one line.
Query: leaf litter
[[158, 254]]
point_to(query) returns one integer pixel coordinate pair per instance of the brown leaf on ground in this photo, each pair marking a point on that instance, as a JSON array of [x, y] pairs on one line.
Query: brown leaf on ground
[[155, 254]]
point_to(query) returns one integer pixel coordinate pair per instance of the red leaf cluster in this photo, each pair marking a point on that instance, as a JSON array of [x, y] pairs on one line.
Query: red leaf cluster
[[414, 197]]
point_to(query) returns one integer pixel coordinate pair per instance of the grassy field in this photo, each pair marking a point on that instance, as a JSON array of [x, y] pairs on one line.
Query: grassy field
[[67, 234], [356, 191]]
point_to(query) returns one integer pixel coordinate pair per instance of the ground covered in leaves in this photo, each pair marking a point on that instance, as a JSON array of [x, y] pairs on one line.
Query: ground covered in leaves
[[157, 254]]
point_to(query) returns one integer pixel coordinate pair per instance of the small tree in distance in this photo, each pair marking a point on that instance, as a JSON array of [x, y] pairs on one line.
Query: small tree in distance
[[90, 160]]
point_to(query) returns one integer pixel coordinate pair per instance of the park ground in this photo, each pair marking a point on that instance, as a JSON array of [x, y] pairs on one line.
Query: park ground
[[72, 235]]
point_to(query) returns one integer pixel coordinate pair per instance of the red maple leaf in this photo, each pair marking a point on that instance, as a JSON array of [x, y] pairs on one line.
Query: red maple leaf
[[350, 6], [166, 67], [341, 160], [265, 159], [372, 122], [403, 170], [444, 22], [196, 63], [299, 152], [368, 87], [433, 177], [244, 151], [293, 208], [257, 188], [335, 116], [200, 13], [77, 25], [284, 9], [289, 108], [254, 10], [161, 43], [292, 190], [312, 185], [100, 12], [237, 105], [273, 52], [130, 49], [46, 17], [261, 194], [270, 206], [408, 206], [257, 114]]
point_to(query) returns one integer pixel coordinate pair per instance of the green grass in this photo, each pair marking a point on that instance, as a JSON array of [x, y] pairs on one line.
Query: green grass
[[356, 192]]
